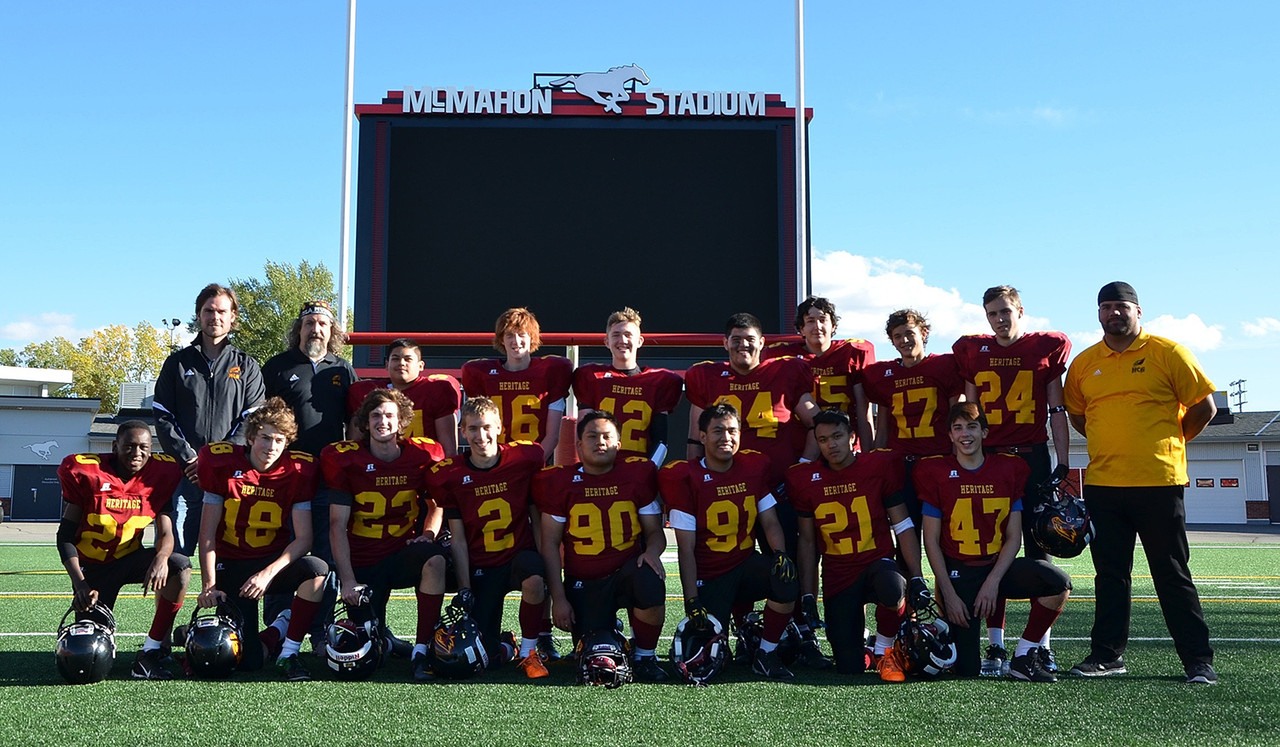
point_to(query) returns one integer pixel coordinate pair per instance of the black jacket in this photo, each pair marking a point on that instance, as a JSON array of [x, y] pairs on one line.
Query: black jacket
[[197, 403], [317, 393]]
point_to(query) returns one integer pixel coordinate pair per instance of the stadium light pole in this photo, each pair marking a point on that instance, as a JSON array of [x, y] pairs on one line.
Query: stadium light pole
[[802, 192], [348, 114]]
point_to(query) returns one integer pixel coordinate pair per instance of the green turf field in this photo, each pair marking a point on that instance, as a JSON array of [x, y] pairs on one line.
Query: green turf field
[[1240, 586]]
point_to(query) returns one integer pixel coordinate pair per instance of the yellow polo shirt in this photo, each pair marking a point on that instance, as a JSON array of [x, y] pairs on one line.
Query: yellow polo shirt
[[1133, 403]]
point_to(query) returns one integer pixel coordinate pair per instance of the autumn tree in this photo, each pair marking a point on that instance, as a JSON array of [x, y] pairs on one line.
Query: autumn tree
[[101, 362]]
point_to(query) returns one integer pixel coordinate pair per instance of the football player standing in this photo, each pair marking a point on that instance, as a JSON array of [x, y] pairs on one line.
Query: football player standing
[[381, 527], [598, 513], [435, 397], [714, 505], [486, 498], [1016, 377], [854, 504], [108, 500], [253, 494], [640, 398], [972, 534]]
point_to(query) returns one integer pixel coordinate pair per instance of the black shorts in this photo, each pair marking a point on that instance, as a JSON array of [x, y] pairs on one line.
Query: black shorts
[[879, 583], [1025, 579], [490, 587], [596, 602], [750, 581], [400, 570], [108, 578], [231, 576]]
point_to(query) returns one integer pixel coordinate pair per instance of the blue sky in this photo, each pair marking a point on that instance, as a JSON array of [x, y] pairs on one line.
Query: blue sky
[[150, 148]]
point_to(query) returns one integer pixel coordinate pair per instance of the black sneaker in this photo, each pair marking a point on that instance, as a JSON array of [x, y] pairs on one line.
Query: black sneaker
[[547, 645], [147, 666], [1092, 666], [423, 669], [995, 663], [811, 655], [1201, 674], [1030, 668], [647, 669], [741, 654], [397, 647], [179, 637], [768, 664], [1048, 662], [291, 669]]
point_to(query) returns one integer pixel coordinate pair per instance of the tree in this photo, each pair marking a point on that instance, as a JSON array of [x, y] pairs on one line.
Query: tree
[[268, 307], [102, 361]]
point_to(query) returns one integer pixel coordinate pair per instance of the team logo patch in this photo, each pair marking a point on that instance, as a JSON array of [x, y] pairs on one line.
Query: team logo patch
[[1138, 367], [816, 477], [984, 349], [293, 377], [493, 372], [577, 584], [189, 372], [607, 88], [238, 474], [106, 487], [955, 574], [888, 372], [368, 468], [955, 473], [233, 372], [337, 380], [466, 479], [706, 478], [577, 478], [1097, 372], [725, 373]]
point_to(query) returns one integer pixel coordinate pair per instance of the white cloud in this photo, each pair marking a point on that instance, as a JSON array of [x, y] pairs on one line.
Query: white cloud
[[1262, 327], [40, 327], [1190, 330], [866, 290]]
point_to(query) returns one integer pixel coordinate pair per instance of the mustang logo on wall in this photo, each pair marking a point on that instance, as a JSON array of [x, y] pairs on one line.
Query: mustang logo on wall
[[606, 89]]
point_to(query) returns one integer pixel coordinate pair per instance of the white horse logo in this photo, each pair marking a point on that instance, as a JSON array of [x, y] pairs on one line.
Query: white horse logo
[[606, 89], [42, 450]]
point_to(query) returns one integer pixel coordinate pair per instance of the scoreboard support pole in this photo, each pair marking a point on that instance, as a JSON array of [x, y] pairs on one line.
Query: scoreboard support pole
[[802, 136]]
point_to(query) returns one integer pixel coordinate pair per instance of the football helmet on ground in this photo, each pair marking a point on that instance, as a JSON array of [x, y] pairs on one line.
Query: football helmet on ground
[[86, 647], [698, 651], [214, 643], [753, 628], [603, 658], [925, 644], [353, 643], [1061, 526], [459, 651]]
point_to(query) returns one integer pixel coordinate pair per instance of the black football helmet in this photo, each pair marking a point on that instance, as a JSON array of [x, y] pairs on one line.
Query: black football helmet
[[459, 651], [925, 643], [1061, 526], [752, 630], [604, 658], [86, 647], [698, 653], [214, 643], [353, 645]]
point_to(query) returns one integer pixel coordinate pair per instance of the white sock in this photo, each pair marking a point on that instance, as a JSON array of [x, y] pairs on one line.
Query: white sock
[[526, 646], [1024, 646], [1044, 639], [996, 636], [883, 643], [419, 649], [151, 644], [645, 653], [289, 648], [767, 646]]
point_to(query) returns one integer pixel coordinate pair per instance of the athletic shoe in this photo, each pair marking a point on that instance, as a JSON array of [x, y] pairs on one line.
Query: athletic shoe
[[179, 637], [147, 666], [891, 668], [423, 670], [547, 647], [1092, 666], [995, 663], [811, 655], [533, 665], [1048, 662], [292, 670], [741, 654], [768, 664], [1030, 668], [1201, 674], [647, 669], [397, 647]]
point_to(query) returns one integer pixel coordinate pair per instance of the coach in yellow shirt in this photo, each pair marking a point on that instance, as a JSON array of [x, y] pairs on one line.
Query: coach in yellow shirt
[[1138, 399]]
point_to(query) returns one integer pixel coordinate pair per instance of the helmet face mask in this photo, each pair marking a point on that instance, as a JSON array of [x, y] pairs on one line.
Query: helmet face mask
[[698, 655], [458, 648], [214, 643], [604, 658], [1062, 526], [86, 648], [353, 645], [925, 643]]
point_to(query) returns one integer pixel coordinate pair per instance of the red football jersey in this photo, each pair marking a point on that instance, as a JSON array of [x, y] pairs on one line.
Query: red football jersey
[[387, 498], [522, 396], [114, 511], [724, 506], [633, 399], [918, 398], [1012, 382], [601, 513], [493, 503], [836, 371], [848, 509], [256, 505], [974, 506], [433, 397], [766, 398]]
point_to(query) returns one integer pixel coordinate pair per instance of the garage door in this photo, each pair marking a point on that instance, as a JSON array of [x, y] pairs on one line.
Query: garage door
[[1216, 494]]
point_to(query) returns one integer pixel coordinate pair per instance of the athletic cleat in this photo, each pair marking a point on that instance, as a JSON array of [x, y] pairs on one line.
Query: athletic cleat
[[397, 647], [423, 670], [1048, 662], [1201, 673], [891, 668], [1095, 667], [741, 654], [179, 637], [995, 663], [292, 670], [507, 638], [147, 666], [1030, 668], [647, 669], [533, 665], [547, 647], [769, 664], [811, 655]]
